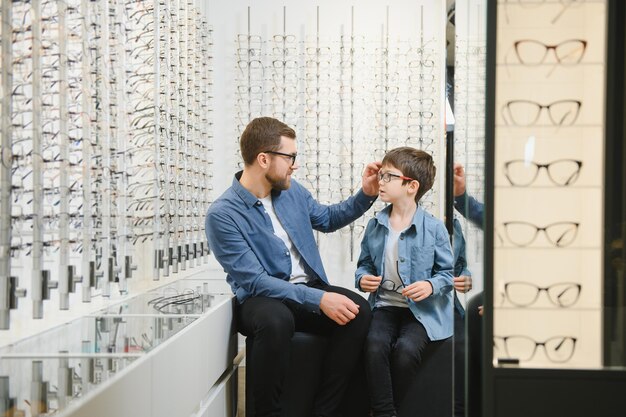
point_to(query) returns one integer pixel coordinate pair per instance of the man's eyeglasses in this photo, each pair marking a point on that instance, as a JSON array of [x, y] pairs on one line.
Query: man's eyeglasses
[[388, 176], [288, 155]]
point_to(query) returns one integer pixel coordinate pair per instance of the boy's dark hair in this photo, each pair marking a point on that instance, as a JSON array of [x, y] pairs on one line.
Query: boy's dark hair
[[415, 164], [262, 134]]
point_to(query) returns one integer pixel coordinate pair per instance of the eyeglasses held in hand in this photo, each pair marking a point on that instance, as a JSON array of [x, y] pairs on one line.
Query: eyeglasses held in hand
[[559, 234], [388, 176], [526, 112], [389, 285], [288, 155], [532, 52], [524, 294], [562, 172], [558, 349]]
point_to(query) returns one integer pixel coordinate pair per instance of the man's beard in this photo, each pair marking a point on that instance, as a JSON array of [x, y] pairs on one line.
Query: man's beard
[[278, 184]]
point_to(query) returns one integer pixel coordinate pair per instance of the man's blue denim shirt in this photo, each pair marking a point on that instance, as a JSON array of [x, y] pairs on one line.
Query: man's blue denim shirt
[[471, 209], [424, 253], [256, 261]]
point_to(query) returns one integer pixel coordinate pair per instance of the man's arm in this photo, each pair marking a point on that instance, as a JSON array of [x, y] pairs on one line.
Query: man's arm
[[470, 208], [330, 218], [335, 216], [238, 260]]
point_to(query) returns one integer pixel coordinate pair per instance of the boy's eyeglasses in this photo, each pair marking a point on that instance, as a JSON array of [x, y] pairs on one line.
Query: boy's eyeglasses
[[388, 176], [289, 155]]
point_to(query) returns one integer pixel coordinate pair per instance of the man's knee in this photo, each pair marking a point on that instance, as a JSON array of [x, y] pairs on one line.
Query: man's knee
[[365, 311], [273, 321], [279, 326]]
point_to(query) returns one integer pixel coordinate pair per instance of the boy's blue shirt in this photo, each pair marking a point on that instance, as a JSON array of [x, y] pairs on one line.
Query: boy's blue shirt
[[424, 253]]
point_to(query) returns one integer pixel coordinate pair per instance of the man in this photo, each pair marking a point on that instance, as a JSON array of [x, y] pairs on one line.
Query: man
[[261, 232]]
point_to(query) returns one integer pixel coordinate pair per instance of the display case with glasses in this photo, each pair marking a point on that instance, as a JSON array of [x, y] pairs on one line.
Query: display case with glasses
[[128, 347], [184, 297], [548, 166], [49, 385], [109, 332]]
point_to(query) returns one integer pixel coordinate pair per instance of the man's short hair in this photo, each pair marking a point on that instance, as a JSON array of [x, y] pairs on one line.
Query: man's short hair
[[413, 163], [262, 134]]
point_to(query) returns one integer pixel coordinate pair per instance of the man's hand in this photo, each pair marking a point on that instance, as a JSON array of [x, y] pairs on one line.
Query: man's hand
[[338, 307], [459, 180], [463, 283], [370, 283], [370, 179], [418, 291]]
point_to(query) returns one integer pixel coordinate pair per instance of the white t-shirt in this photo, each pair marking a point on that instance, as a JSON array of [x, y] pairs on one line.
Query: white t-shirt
[[389, 293], [298, 275]]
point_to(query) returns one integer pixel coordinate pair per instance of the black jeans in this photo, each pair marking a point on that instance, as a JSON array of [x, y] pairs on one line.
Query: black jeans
[[459, 364], [273, 322], [474, 401], [393, 353]]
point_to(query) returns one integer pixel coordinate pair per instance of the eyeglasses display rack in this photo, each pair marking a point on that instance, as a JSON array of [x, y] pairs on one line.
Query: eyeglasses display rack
[[106, 148], [549, 142]]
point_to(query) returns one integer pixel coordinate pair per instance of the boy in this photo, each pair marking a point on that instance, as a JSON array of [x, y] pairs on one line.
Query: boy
[[406, 265]]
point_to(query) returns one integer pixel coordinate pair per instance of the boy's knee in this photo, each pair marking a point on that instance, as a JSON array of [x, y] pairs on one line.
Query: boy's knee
[[405, 356], [375, 345]]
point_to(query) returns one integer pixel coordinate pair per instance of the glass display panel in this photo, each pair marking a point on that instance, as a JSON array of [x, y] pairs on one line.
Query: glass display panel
[[45, 386], [169, 301], [549, 184], [104, 334]]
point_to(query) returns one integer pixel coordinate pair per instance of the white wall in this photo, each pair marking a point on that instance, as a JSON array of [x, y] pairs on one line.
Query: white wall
[[407, 20]]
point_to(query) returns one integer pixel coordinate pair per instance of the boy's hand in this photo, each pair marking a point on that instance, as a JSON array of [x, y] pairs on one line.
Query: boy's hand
[[370, 179], [338, 307], [463, 283], [370, 283], [418, 291]]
